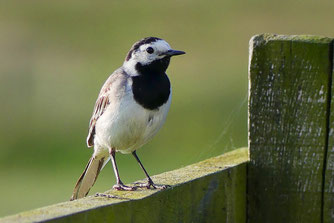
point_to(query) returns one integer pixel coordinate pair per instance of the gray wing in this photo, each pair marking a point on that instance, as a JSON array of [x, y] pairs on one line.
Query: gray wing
[[100, 106], [114, 84]]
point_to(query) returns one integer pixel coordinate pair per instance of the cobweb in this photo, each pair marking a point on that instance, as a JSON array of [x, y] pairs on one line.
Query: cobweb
[[225, 132]]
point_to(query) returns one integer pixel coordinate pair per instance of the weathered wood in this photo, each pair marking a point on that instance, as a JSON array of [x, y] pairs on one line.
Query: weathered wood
[[328, 196], [213, 190], [288, 127]]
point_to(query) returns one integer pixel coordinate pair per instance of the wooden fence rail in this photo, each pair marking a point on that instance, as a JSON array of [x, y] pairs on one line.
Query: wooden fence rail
[[290, 175]]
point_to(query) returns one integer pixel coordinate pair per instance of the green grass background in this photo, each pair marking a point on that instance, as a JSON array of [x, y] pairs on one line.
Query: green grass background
[[55, 56]]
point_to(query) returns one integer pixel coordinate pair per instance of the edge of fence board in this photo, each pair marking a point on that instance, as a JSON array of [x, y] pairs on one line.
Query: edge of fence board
[[214, 188], [328, 209]]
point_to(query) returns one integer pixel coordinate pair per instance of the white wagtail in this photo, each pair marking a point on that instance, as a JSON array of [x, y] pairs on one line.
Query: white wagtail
[[130, 109]]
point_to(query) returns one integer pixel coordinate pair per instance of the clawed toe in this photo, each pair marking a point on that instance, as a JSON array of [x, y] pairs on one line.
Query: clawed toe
[[151, 185], [123, 187], [142, 185]]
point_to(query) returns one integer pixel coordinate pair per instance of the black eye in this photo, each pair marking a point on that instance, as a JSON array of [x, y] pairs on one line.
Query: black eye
[[150, 50]]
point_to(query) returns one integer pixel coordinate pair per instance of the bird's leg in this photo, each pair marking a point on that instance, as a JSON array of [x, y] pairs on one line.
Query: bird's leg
[[149, 183], [119, 185]]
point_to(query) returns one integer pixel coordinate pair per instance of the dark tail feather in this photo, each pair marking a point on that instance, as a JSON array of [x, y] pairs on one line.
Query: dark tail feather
[[88, 177]]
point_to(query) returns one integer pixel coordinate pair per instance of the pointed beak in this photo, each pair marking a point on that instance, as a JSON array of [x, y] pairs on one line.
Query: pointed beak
[[173, 53]]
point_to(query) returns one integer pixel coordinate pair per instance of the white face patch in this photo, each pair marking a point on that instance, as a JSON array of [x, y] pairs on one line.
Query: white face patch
[[142, 56], [159, 47]]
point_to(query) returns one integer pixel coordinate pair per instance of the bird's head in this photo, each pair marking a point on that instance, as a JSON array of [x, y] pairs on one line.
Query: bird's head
[[150, 54]]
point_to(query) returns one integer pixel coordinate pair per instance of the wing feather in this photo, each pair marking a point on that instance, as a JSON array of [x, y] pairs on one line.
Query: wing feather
[[100, 106]]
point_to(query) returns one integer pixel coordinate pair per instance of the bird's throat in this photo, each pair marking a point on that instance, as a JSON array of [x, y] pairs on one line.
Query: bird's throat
[[154, 68]]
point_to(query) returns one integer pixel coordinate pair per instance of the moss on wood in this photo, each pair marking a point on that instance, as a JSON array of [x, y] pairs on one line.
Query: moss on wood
[[213, 190]]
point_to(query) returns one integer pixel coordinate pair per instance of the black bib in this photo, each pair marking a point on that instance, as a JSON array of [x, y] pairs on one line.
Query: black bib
[[151, 88]]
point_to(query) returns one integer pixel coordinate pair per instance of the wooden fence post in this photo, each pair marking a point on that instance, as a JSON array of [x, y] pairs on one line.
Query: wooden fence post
[[289, 122]]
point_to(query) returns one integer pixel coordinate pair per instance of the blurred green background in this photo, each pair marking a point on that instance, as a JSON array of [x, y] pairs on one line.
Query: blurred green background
[[55, 56]]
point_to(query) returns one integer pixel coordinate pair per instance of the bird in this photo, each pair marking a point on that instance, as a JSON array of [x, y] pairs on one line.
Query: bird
[[130, 109]]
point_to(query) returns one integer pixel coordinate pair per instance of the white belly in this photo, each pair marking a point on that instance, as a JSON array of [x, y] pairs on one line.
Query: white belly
[[126, 126]]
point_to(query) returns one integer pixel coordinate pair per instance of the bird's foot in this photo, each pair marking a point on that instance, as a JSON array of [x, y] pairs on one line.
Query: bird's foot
[[150, 185], [121, 186]]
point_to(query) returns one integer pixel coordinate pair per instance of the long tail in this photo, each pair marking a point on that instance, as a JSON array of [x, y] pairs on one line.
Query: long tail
[[89, 176]]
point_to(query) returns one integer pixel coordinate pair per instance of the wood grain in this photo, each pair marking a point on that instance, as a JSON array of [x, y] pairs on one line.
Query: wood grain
[[288, 127]]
